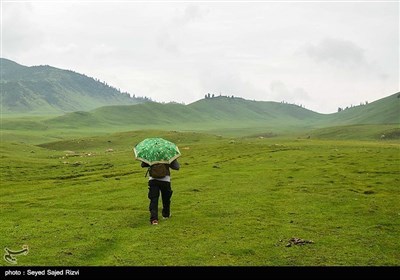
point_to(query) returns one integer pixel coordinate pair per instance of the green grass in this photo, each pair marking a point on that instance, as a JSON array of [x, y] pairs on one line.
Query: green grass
[[237, 201], [229, 117], [383, 111], [361, 132]]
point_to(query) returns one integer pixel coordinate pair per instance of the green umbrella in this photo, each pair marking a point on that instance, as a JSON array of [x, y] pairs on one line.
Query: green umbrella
[[156, 150]]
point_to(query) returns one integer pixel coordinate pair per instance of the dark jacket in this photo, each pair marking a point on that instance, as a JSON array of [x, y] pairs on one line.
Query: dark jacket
[[173, 165]]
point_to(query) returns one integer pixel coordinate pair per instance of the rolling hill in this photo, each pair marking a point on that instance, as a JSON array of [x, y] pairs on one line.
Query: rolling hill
[[46, 90], [219, 115], [216, 113], [234, 110], [382, 111], [86, 106]]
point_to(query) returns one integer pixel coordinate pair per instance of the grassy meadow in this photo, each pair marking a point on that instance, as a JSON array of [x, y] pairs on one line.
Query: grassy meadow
[[237, 201]]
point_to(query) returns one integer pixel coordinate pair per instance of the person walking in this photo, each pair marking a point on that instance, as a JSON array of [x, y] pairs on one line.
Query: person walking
[[160, 182]]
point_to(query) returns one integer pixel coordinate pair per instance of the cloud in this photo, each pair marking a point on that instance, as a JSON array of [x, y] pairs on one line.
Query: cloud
[[181, 51], [103, 49], [189, 14], [280, 91], [174, 31], [167, 41], [338, 52], [219, 79], [18, 27]]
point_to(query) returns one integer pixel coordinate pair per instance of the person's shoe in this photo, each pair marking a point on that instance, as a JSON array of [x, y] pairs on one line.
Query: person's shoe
[[167, 217], [154, 222]]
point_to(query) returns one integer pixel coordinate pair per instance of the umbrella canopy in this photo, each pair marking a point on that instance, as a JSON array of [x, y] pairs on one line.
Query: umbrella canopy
[[156, 150]]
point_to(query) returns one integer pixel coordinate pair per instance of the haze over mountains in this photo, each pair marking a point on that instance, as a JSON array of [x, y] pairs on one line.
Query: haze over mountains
[[86, 102], [221, 113], [49, 90]]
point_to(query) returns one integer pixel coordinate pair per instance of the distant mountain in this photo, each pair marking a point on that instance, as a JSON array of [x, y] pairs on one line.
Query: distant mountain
[[44, 90], [382, 111], [48, 90], [224, 113], [214, 112]]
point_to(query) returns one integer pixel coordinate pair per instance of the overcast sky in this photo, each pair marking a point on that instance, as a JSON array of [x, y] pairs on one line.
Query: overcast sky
[[323, 55]]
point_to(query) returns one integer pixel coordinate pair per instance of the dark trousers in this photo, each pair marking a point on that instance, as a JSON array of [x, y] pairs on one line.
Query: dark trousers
[[155, 187]]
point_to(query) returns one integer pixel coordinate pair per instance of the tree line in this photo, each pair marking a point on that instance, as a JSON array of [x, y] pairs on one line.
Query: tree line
[[340, 109]]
